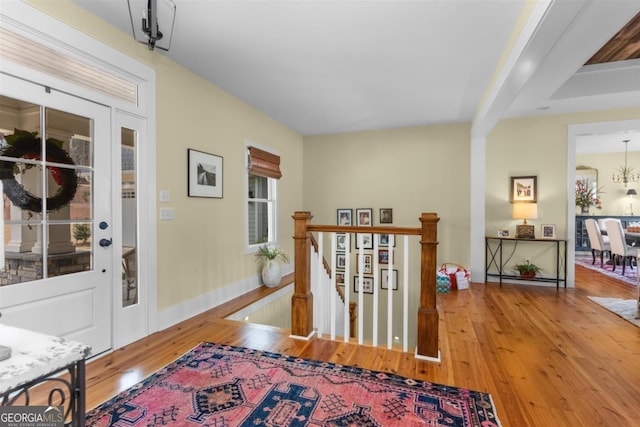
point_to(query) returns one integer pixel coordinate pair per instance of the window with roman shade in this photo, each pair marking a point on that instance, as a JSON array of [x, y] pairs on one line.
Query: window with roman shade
[[263, 172], [263, 163]]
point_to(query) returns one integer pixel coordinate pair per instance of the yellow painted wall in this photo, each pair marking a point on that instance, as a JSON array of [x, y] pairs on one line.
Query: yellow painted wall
[[203, 248], [535, 146], [411, 170], [614, 199]]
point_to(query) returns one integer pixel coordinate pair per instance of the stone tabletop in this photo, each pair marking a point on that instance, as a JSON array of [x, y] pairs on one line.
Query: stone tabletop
[[34, 354]]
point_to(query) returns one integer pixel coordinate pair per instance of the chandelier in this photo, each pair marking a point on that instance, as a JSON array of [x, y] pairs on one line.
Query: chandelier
[[626, 173]]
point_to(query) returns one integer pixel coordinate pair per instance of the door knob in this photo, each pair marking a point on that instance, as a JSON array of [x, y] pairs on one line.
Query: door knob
[[105, 242]]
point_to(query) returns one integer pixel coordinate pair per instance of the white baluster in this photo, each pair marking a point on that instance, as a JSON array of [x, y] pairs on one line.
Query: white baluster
[[347, 293], [390, 241], [405, 290], [333, 285], [376, 280], [322, 288], [360, 238]]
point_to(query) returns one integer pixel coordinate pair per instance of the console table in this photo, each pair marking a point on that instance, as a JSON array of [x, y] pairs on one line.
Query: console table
[[39, 359], [494, 259]]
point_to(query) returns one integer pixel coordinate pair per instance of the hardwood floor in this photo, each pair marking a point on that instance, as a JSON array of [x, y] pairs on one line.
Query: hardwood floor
[[548, 358]]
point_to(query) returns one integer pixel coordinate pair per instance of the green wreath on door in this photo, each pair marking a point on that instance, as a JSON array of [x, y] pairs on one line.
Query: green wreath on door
[[24, 144]]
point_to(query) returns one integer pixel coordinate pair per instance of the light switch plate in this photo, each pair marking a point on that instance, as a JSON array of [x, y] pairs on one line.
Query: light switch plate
[[165, 196], [166, 214]]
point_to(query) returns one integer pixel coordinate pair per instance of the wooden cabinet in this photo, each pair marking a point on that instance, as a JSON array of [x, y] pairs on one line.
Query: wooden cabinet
[[582, 238]]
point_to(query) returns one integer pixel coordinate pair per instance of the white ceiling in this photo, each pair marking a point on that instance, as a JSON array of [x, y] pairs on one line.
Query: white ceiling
[[327, 66]]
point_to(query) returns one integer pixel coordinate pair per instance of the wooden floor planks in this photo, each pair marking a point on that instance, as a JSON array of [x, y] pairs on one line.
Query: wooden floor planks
[[548, 358]]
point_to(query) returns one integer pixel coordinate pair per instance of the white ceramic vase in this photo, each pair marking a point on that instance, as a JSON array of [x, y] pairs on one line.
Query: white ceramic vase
[[271, 275]]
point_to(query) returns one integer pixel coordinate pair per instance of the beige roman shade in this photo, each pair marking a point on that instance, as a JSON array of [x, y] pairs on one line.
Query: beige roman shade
[[263, 163]]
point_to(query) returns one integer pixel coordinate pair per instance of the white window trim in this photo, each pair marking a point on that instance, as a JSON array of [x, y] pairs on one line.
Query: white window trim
[[252, 249]]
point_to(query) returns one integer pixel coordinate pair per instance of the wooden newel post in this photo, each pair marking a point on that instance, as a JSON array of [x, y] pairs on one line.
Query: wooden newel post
[[427, 313], [302, 299]]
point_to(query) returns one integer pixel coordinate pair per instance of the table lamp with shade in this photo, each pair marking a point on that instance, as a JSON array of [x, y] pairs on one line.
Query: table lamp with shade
[[525, 211]]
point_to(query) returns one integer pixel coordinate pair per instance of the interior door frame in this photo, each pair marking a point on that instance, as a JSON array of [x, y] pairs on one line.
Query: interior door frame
[[29, 22], [575, 130]]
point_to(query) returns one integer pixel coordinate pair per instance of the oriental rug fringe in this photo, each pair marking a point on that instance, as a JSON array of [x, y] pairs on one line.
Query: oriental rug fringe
[[217, 385]]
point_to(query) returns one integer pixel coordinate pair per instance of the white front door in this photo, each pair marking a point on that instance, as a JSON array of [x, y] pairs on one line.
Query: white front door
[[56, 260]]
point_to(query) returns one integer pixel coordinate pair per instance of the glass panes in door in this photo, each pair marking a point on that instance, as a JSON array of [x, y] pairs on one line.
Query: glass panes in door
[[46, 192], [128, 152]]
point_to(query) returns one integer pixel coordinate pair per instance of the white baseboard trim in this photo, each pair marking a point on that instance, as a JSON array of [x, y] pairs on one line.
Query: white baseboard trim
[[252, 308], [180, 312], [428, 358], [307, 338]]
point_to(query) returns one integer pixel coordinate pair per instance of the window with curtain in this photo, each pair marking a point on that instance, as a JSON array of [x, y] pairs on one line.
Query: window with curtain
[[263, 173]]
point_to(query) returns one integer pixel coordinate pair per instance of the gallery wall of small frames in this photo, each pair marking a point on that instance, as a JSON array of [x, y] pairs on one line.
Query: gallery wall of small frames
[[364, 217]]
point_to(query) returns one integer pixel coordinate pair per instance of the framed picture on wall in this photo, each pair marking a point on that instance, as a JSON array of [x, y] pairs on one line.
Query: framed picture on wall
[[367, 260], [340, 278], [367, 284], [386, 216], [384, 279], [205, 174], [385, 240], [364, 217], [342, 241], [344, 217], [524, 189], [367, 240], [383, 256], [341, 261]]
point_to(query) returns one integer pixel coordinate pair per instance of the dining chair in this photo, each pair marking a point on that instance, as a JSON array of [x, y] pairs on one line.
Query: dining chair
[[602, 224], [599, 243], [619, 247]]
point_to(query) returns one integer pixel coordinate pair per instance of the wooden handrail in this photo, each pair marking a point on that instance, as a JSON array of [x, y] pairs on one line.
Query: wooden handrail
[[412, 231]]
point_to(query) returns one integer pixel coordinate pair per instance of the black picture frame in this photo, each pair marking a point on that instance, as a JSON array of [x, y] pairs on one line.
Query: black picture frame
[[524, 189], [364, 217], [367, 240], [386, 216], [342, 241], [344, 217], [205, 174], [367, 284], [383, 240], [384, 279]]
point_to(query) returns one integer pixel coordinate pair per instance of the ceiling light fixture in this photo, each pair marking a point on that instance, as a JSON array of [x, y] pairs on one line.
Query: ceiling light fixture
[[626, 174], [158, 18]]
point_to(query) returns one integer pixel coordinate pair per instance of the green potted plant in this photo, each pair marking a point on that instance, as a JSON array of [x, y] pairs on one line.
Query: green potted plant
[[527, 270], [270, 257]]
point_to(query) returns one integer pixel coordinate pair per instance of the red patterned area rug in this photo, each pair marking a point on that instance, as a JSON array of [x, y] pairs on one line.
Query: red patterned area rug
[[224, 386], [586, 260]]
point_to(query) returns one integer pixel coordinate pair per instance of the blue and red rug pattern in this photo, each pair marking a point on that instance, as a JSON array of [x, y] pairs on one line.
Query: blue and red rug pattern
[[222, 386]]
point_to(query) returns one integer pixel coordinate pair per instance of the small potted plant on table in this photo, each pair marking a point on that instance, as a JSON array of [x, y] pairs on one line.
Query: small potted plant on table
[[527, 270], [270, 257]]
